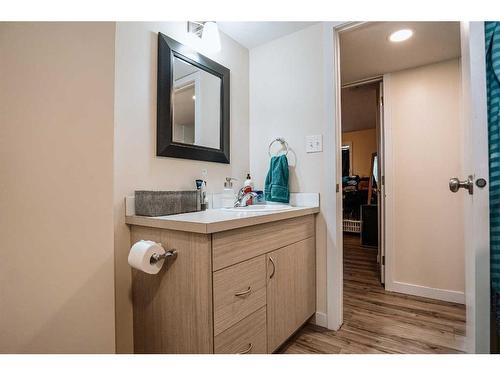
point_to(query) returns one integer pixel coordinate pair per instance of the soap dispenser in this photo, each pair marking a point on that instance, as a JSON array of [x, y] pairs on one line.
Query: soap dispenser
[[228, 196], [201, 187], [248, 183], [248, 187]]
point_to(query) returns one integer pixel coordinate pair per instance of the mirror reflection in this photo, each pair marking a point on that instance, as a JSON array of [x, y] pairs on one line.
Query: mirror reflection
[[196, 99]]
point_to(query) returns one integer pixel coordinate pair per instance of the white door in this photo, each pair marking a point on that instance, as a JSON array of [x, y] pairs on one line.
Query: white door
[[476, 223]]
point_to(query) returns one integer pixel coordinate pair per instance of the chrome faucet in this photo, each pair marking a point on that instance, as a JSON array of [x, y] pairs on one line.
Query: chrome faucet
[[244, 197]]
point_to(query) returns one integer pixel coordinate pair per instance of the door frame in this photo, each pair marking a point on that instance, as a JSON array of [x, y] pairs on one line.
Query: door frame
[[381, 181], [332, 201], [477, 238]]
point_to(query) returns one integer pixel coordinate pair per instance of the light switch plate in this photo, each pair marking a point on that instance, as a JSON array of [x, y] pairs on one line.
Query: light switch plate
[[314, 143]]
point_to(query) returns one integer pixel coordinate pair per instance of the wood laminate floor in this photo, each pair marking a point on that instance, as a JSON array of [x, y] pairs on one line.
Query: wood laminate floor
[[377, 321]]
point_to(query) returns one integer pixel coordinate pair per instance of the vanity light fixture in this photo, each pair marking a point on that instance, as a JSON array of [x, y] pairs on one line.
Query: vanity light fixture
[[400, 35], [208, 32]]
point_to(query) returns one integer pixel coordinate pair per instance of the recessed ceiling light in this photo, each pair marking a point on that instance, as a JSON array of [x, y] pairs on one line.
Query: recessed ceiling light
[[400, 35]]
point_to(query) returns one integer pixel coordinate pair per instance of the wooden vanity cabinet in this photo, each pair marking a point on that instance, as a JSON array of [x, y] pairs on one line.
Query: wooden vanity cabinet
[[173, 309], [291, 290], [239, 290], [245, 290]]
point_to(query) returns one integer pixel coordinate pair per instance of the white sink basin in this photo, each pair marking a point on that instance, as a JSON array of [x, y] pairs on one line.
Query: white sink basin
[[260, 208]]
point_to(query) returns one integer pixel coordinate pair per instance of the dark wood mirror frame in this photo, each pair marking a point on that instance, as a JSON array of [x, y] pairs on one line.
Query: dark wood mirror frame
[[165, 146]]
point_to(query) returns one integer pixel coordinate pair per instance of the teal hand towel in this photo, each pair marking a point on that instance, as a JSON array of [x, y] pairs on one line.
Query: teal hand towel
[[276, 186]]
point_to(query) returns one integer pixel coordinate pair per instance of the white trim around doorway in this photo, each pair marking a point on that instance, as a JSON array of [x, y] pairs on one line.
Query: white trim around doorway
[[332, 201]]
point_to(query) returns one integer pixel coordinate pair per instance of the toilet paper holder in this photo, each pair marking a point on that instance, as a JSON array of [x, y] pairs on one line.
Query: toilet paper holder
[[155, 258]]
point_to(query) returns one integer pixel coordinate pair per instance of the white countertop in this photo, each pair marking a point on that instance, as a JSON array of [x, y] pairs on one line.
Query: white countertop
[[217, 220]]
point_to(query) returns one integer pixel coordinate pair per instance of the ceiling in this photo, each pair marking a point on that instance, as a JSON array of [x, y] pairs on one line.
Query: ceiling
[[253, 34], [359, 107], [366, 51]]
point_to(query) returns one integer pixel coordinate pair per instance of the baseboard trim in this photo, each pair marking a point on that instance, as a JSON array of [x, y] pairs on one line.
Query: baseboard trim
[[320, 319], [425, 291]]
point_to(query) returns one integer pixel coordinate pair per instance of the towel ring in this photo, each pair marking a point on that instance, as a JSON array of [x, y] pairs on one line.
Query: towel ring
[[283, 144]]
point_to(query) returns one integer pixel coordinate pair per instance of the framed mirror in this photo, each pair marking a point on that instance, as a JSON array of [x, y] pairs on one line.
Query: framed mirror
[[193, 104]]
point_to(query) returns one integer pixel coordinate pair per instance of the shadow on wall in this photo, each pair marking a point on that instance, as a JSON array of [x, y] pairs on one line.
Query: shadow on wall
[[292, 166], [73, 336], [153, 89]]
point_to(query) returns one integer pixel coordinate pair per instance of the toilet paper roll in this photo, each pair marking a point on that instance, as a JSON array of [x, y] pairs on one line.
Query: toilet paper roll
[[140, 256]]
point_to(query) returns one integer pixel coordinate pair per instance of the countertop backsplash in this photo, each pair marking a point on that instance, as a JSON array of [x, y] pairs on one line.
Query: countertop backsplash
[[215, 201]]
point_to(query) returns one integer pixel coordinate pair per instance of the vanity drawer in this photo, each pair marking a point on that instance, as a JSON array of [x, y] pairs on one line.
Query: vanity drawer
[[237, 245], [245, 337], [239, 290]]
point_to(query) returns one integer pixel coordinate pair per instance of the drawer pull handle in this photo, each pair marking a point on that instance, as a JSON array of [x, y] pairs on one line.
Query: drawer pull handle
[[274, 267], [244, 293], [247, 350]]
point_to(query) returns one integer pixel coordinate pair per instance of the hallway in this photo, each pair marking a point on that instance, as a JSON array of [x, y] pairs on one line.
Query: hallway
[[377, 321]]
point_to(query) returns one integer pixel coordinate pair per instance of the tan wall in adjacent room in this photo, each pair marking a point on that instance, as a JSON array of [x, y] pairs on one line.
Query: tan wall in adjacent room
[[364, 144]]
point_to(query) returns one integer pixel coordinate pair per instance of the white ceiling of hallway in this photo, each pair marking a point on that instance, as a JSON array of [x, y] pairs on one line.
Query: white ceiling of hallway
[[253, 34], [367, 52]]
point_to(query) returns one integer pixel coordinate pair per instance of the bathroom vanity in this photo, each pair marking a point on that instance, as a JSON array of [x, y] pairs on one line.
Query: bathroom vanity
[[240, 283]]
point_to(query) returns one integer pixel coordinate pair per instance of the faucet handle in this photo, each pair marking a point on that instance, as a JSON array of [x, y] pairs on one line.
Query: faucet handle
[[241, 193], [242, 202], [229, 182]]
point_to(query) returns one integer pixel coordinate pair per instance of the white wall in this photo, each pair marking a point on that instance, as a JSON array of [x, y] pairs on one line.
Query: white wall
[[423, 115], [287, 100], [136, 166], [56, 170]]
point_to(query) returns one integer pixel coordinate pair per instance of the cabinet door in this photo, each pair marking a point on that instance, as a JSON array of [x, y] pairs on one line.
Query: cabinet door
[[291, 290]]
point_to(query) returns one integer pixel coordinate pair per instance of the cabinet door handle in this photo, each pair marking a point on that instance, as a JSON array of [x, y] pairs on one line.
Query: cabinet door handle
[[244, 293], [247, 350], [274, 267]]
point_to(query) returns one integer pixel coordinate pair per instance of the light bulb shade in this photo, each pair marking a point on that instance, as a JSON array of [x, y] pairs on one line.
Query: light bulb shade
[[211, 37]]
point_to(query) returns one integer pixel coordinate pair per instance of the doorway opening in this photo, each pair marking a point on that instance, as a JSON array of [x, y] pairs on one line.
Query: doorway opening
[[402, 138], [361, 111]]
